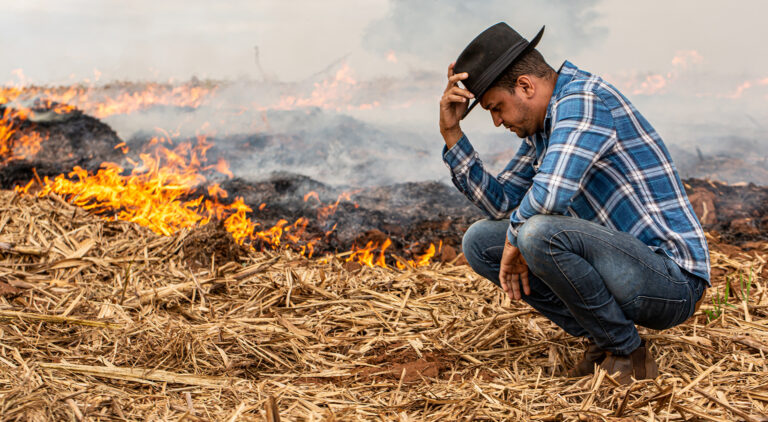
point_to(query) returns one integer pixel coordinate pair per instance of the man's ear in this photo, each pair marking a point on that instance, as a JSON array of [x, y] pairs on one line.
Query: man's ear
[[526, 85]]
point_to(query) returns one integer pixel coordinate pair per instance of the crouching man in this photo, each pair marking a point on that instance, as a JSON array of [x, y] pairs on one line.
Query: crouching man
[[601, 235]]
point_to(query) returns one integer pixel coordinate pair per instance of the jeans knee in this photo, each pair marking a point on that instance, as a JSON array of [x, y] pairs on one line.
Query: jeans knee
[[470, 242], [533, 233], [481, 238], [483, 246]]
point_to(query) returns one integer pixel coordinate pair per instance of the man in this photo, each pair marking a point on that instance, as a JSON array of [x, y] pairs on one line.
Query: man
[[601, 235]]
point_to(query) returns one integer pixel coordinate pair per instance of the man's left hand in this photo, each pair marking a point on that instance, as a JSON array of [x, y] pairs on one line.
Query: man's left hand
[[514, 270]]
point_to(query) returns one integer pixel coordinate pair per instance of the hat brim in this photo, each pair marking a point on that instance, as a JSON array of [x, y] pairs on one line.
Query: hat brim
[[502, 66]]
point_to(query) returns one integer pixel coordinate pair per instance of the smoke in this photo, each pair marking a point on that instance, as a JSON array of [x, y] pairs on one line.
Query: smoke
[[347, 92], [435, 32], [64, 41], [301, 127]]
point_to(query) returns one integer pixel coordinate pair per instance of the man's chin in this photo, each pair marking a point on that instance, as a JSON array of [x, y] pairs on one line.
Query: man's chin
[[519, 132]]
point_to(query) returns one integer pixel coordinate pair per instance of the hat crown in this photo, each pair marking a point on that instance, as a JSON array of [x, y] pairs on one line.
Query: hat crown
[[489, 54], [486, 48]]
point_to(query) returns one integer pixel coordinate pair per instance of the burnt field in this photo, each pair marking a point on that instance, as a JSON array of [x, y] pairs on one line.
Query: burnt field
[[144, 279], [409, 217]]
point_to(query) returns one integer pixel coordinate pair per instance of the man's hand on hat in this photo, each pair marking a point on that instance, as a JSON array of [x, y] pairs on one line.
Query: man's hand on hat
[[453, 104]]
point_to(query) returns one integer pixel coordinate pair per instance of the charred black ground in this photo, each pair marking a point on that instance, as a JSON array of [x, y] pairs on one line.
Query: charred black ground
[[71, 139]]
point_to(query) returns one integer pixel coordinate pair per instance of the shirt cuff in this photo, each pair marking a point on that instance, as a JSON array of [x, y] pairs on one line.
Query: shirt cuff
[[458, 156], [512, 235], [514, 226]]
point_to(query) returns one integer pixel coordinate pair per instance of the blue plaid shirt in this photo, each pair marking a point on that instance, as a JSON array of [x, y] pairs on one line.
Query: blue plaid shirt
[[597, 159]]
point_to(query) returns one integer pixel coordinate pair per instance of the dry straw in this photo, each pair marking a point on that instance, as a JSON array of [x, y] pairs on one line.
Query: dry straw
[[104, 320]]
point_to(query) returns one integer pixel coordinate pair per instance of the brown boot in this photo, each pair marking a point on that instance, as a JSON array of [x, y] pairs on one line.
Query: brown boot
[[593, 355], [638, 364]]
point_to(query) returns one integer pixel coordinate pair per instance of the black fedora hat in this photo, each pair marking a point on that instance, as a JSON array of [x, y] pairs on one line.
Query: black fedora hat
[[488, 55]]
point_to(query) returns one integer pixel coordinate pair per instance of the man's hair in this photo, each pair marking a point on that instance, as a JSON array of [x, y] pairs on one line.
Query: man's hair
[[531, 63]]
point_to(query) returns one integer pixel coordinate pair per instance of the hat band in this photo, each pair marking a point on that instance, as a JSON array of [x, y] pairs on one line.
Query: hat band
[[498, 65]]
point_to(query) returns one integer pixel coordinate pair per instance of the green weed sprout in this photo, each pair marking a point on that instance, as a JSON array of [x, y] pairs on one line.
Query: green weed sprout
[[721, 302]]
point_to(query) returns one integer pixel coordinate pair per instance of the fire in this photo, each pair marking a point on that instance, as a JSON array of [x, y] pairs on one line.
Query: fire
[[8, 94], [166, 187], [333, 93], [338, 91], [13, 144], [154, 94], [422, 260], [108, 100], [159, 193], [6, 132], [327, 211], [373, 255], [312, 194], [152, 195], [328, 233], [367, 255]]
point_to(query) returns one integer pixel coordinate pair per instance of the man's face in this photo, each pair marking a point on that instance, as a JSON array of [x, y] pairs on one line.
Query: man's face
[[511, 109]]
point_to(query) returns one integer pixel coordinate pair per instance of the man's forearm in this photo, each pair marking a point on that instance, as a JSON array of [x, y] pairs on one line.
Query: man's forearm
[[473, 180], [451, 137]]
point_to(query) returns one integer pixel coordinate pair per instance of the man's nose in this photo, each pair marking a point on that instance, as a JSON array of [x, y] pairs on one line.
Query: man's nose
[[496, 119]]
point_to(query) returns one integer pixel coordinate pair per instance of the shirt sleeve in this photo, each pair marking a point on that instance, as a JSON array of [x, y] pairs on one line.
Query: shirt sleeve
[[496, 196], [582, 131]]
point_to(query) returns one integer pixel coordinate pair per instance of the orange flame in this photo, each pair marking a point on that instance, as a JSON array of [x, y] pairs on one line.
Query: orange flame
[[13, 144], [367, 256], [333, 93], [336, 92], [108, 100], [311, 194], [156, 194], [323, 213], [425, 259], [327, 211], [161, 192]]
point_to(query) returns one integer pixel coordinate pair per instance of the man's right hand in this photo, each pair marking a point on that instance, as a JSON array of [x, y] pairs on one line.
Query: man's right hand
[[453, 104], [513, 272]]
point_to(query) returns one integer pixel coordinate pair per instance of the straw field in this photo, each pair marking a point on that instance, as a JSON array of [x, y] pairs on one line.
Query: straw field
[[105, 320]]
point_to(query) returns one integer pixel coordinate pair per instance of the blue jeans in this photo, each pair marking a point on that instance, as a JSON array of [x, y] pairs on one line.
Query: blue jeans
[[588, 279]]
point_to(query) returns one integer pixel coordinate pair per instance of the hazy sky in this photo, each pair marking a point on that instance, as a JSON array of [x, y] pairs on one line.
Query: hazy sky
[[53, 39], [682, 61]]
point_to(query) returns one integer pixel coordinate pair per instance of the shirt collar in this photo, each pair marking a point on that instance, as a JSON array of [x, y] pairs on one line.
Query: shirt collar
[[564, 75]]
